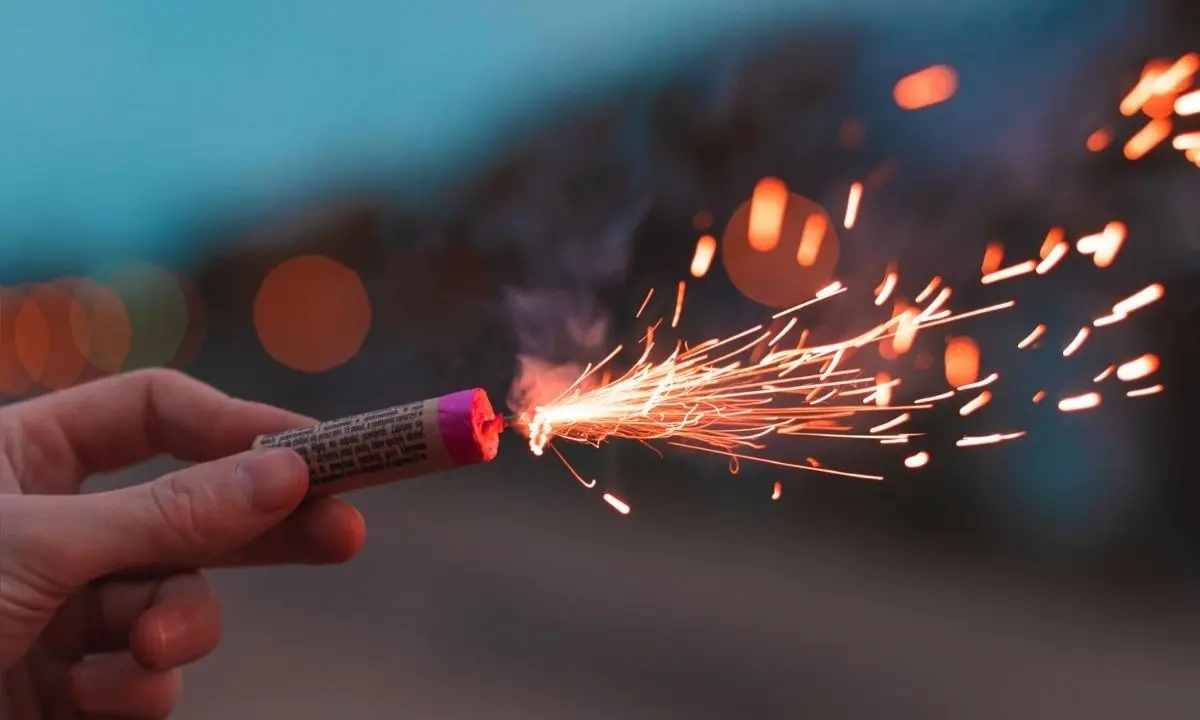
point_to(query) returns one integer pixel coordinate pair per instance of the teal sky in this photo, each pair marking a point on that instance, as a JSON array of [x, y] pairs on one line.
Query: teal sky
[[121, 122]]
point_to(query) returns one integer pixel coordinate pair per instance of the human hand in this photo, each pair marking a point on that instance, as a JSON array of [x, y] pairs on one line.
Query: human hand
[[101, 597]]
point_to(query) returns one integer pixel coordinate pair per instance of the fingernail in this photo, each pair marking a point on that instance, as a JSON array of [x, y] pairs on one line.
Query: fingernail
[[270, 479]]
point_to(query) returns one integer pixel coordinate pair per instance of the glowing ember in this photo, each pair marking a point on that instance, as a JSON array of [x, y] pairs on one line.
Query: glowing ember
[[1138, 368], [1148, 138], [1032, 337], [767, 206], [810, 239], [1188, 104], [678, 303], [993, 255], [1075, 403], [992, 439], [1039, 396], [919, 460], [927, 87], [777, 490], [1099, 140], [706, 249], [617, 503], [852, 202], [1143, 392], [980, 400], [1076, 343]]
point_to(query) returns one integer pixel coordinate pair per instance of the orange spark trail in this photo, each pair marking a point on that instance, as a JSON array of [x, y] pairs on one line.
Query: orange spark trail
[[1076, 343], [1075, 403], [706, 249], [678, 303], [617, 503], [810, 239], [1007, 273], [921, 459], [1032, 337], [1143, 392], [852, 202], [645, 302]]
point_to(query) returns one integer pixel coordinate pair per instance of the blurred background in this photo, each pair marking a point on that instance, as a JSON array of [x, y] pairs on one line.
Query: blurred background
[[335, 207]]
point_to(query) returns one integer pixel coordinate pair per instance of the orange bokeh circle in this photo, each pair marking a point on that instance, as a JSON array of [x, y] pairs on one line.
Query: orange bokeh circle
[[775, 276], [312, 313], [48, 334]]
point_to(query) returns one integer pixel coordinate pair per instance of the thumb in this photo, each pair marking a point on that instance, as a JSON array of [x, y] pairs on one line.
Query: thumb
[[185, 518]]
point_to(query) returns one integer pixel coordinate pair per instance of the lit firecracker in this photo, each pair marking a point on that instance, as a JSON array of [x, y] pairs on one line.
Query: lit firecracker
[[727, 396]]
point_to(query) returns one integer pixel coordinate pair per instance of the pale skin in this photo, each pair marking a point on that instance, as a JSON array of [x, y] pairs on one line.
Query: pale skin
[[103, 600]]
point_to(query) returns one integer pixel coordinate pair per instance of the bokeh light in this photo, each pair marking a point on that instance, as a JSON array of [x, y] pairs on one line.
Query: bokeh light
[[100, 324], [767, 207], [197, 324], [156, 308], [312, 313], [777, 277], [926, 87], [47, 334], [14, 381], [962, 361]]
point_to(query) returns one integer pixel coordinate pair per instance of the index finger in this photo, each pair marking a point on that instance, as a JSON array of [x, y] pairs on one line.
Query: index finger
[[118, 421]]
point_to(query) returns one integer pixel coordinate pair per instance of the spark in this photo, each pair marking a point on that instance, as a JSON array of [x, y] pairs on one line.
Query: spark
[[708, 396], [980, 383], [1143, 392], [919, 460], [992, 439], [678, 303], [706, 249], [1076, 343], [1053, 257], [767, 206], [927, 87], [979, 401], [830, 290], [1138, 300], [1174, 77], [811, 237], [1104, 374], [1099, 140], [935, 398], [776, 490], [894, 422], [1086, 401], [1188, 104], [886, 288], [1023, 268], [993, 255], [1111, 240], [617, 503], [1032, 337], [852, 202], [1039, 396], [1148, 138], [1055, 237], [924, 294], [1186, 141], [1138, 368], [1140, 94], [645, 302]]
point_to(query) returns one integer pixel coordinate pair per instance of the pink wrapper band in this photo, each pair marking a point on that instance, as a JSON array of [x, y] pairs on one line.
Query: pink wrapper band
[[395, 443]]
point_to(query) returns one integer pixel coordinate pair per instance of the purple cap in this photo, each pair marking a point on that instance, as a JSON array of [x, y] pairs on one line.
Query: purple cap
[[469, 433]]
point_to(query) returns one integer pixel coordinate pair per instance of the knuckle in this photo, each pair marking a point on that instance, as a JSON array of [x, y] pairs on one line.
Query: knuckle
[[187, 509]]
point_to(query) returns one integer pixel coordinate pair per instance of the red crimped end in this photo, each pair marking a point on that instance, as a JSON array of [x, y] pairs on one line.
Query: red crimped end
[[470, 432]]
